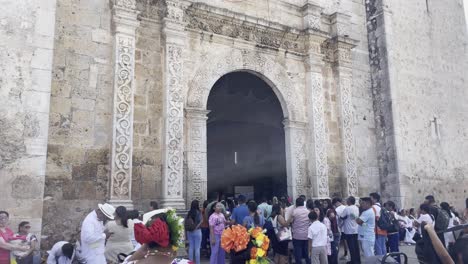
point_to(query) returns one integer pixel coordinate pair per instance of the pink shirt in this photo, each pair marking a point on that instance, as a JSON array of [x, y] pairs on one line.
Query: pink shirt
[[5, 254], [301, 223], [217, 221]]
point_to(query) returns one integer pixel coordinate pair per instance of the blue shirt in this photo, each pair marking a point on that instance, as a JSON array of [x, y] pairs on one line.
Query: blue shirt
[[239, 213], [366, 230], [249, 221]]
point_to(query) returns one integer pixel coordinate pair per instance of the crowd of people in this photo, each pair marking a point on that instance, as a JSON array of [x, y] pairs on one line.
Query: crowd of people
[[317, 229], [310, 230]]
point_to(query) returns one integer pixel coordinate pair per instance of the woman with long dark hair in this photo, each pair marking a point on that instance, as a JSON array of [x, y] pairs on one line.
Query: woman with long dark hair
[[335, 242], [119, 239], [280, 248], [194, 234], [253, 219]]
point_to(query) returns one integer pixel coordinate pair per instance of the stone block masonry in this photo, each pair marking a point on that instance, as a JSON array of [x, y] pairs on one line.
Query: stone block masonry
[[373, 93], [26, 52], [419, 79], [80, 130]]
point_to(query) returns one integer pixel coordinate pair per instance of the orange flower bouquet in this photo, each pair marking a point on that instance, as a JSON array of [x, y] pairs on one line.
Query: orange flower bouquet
[[261, 243], [250, 245], [235, 238]]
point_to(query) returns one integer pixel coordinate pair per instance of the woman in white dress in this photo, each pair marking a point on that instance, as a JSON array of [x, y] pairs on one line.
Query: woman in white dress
[[119, 239], [407, 225]]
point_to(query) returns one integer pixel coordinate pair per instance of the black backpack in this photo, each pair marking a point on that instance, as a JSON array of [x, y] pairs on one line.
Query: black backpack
[[395, 227], [385, 220], [442, 220], [189, 224]]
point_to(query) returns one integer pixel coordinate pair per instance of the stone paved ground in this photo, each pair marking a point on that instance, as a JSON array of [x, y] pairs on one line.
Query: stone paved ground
[[408, 250]]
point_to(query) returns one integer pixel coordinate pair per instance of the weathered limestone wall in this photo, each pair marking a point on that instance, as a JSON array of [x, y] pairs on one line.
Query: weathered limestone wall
[[80, 117], [363, 114], [26, 50], [419, 62], [80, 136], [148, 118]]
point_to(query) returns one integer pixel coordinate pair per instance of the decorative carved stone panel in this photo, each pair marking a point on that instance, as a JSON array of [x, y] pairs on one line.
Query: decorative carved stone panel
[[196, 153], [348, 135], [319, 136], [296, 157], [125, 23], [174, 122], [284, 86]]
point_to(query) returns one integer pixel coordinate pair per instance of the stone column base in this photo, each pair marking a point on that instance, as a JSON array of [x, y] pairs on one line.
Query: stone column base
[[176, 203]]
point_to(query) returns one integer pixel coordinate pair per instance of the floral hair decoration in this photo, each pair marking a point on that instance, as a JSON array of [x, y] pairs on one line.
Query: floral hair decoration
[[163, 227]]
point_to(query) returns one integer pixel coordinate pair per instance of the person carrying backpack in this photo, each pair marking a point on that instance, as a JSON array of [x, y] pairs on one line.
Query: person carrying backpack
[[393, 232], [194, 235], [441, 217], [380, 234]]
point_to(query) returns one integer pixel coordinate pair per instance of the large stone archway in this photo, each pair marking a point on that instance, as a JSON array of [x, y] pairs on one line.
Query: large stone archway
[[195, 119]]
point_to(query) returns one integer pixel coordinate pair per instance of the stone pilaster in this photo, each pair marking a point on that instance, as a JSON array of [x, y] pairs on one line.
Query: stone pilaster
[[124, 19], [196, 154], [173, 30], [296, 157], [318, 136], [339, 54]]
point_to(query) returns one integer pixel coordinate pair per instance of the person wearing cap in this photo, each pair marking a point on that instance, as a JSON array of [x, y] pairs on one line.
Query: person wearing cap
[[92, 234], [61, 253]]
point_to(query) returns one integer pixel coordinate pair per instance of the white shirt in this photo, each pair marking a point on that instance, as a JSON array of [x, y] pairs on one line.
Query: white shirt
[[339, 212], [93, 239], [318, 234], [289, 212], [424, 218], [351, 213], [377, 207], [56, 254], [131, 226]]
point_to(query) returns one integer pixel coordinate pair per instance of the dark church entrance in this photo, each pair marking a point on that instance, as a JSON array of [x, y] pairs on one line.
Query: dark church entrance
[[245, 138]]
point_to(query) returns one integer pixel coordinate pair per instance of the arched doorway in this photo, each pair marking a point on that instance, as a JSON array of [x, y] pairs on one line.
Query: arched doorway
[[245, 138]]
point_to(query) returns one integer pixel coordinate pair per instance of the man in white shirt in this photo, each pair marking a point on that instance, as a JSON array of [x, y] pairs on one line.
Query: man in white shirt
[[61, 253], [317, 234], [350, 229], [380, 234], [93, 237], [424, 216]]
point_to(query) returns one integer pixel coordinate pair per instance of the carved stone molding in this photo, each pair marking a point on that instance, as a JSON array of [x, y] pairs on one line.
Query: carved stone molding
[[348, 134], [312, 16], [206, 19], [296, 157], [128, 4], [340, 24], [276, 76], [338, 50], [173, 165], [318, 134], [124, 20], [196, 154]]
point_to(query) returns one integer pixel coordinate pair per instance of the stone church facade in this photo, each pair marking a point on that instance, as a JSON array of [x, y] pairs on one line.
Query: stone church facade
[[107, 100]]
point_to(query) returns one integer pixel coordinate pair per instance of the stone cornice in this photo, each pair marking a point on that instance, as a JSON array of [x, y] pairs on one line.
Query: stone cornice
[[266, 34], [338, 50]]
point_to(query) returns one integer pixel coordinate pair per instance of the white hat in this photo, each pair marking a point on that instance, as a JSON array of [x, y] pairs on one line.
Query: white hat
[[147, 216], [108, 210]]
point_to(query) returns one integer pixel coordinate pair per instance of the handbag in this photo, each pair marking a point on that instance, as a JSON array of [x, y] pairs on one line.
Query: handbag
[[282, 233]]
